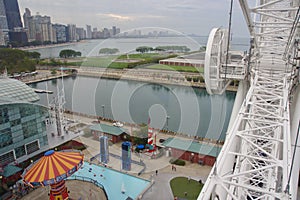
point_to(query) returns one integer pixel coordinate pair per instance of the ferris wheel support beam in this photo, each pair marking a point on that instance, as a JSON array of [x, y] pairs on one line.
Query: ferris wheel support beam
[[256, 161], [246, 11]]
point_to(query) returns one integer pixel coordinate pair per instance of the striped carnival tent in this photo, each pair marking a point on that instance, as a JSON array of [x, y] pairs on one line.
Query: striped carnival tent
[[52, 169]]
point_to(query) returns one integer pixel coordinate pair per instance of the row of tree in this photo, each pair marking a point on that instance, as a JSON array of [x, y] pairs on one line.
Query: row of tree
[[68, 53], [145, 49], [16, 61]]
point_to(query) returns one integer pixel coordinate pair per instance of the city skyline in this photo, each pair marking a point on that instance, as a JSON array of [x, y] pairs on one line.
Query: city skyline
[[189, 17]]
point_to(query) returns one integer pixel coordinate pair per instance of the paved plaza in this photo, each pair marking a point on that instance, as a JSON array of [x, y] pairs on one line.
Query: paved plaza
[[159, 190]]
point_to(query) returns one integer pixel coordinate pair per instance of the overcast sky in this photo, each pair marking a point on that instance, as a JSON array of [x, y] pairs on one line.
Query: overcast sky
[[186, 16]]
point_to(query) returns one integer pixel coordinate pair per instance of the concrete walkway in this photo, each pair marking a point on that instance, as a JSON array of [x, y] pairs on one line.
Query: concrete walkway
[[161, 187]]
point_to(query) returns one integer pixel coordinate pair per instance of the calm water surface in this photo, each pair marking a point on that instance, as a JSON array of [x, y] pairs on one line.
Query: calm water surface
[[178, 108], [128, 45]]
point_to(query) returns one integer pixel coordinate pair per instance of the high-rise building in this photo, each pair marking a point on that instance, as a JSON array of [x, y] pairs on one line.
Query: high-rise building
[[106, 33], [26, 17], [60, 32], [12, 14], [118, 31], [71, 32], [88, 31], [114, 30], [80, 34], [39, 27], [3, 19], [3, 25], [16, 33]]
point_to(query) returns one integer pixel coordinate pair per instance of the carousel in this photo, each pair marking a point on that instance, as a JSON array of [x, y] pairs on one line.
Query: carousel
[[52, 169]]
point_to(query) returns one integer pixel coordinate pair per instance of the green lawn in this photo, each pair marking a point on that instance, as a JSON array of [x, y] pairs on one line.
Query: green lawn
[[141, 56], [104, 62], [180, 185], [98, 61], [108, 62], [176, 68]]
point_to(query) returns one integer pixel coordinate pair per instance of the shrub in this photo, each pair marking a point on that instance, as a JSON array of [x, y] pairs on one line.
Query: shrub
[[195, 79], [177, 162], [188, 78]]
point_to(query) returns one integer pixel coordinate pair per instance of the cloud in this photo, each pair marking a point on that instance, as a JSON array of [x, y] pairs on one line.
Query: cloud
[[112, 16], [182, 7], [189, 16], [115, 16]]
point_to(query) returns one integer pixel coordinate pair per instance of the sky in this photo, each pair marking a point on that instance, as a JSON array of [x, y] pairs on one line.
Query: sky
[[185, 16]]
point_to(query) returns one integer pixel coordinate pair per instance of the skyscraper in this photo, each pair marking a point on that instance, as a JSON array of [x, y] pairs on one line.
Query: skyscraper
[[88, 32], [11, 28], [12, 14], [26, 17], [39, 28], [3, 24], [71, 33], [60, 32]]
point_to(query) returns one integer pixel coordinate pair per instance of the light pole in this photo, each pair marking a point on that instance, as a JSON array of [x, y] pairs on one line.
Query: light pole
[[167, 123], [103, 113]]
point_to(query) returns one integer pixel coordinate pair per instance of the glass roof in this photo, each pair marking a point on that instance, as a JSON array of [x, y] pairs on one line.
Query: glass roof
[[17, 90]]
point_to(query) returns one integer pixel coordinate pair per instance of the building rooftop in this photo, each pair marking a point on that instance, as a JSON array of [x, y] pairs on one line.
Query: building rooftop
[[195, 56], [10, 170], [192, 146], [17, 90], [112, 130]]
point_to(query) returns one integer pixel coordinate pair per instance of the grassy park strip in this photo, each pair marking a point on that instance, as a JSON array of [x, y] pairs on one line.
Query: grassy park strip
[[184, 188]]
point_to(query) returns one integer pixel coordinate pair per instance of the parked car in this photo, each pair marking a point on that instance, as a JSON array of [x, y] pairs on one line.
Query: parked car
[[118, 124]]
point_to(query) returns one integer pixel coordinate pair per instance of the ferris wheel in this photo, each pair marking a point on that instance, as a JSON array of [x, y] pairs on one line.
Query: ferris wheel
[[215, 57]]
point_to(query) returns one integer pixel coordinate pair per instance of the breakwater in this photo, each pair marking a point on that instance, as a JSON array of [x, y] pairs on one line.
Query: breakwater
[[150, 76]]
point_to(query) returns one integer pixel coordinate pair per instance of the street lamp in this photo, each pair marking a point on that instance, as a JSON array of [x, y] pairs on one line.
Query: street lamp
[[103, 113], [167, 123]]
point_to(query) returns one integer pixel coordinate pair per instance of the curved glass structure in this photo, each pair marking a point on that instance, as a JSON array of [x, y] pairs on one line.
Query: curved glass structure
[[22, 130], [17, 90], [22, 123]]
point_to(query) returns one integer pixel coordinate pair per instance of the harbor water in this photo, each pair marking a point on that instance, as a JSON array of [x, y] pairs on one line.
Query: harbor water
[[181, 109]]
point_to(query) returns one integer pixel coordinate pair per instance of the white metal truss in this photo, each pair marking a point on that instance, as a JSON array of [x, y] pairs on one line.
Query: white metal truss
[[255, 161]]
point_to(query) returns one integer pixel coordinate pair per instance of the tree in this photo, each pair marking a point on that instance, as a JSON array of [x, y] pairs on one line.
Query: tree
[[159, 49], [53, 71], [144, 49], [141, 136], [174, 48], [77, 53], [16, 61], [33, 55], [67, 53]]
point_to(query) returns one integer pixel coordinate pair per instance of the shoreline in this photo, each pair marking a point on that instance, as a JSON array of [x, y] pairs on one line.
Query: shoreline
[[47, 78], [49, 46], [141, 75], [149, 76]]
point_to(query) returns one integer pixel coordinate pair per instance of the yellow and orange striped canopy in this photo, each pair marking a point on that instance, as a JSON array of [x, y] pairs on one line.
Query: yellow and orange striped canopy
[[53, 167]]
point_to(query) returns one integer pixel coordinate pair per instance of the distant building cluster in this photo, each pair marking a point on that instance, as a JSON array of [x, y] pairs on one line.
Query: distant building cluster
[[38, 29], [139, 33]]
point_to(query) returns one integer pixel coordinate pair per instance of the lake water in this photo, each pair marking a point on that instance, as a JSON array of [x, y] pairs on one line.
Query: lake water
[[181, 109], [128, 45]]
